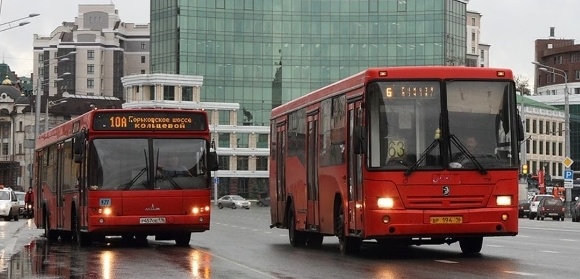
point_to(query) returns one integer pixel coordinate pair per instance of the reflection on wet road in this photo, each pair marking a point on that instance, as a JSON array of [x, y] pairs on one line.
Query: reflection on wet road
[[111, 260]]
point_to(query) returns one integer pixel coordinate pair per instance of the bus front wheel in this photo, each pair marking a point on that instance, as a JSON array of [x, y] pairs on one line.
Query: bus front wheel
[[183, 239], [347, 244], [471, 245]]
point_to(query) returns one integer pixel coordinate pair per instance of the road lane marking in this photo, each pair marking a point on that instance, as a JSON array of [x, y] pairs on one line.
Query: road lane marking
[[549, 252], [446, 261], [519, 273], [492, 245], [571, 240]]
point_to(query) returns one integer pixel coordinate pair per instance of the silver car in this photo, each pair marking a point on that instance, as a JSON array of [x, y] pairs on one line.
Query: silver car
[[9, 207], [233, 202]]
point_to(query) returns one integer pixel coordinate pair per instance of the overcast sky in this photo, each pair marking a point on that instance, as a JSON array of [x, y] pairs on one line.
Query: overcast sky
[[509, 26]]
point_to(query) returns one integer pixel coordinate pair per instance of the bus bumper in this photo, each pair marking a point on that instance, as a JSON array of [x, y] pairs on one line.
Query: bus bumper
[[442, 223], [150, 224]]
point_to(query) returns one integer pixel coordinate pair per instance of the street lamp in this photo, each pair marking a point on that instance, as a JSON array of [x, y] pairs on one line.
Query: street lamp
[[562, 73], [10, 26]]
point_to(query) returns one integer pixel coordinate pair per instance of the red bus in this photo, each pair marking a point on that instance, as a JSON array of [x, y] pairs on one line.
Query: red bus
[[413, 155], [108, 173]]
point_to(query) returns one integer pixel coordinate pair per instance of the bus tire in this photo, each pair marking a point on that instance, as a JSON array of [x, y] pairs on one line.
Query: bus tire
[[471, 245], [296, 237], [183, 239], [347, 245], [83, 239], [51, 235]]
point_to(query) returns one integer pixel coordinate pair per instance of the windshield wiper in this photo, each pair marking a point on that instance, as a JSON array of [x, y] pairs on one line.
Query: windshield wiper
[[414, 167], [467, 154], [129, 184]]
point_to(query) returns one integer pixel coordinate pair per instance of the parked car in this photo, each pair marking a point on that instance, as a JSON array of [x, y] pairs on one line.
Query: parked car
[[21, 204], [524, 208], [263, 201], [575, 210], [8, 204], [551, 207], [233, 202], [534, 205]]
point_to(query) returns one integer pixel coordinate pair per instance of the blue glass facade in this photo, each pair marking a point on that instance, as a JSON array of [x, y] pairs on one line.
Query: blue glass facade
[[262, 53]]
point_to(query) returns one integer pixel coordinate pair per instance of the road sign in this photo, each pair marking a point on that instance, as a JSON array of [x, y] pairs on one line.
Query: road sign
[[568, 184], [568, 174], [567, 162]]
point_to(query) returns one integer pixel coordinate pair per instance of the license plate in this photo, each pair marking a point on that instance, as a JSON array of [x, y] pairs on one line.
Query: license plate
[[446, 220], [553, 214], [158, 220]]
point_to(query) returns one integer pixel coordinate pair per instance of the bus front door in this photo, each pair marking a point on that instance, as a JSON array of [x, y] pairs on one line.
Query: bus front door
[[278, 206], [355, 195], [312, 218]]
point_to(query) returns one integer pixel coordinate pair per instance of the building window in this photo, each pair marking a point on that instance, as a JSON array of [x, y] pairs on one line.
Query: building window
[[90, 55], [90, 69], [224, 140], [90, 83], [242, 163], [482, 54], [187, 93], [20, 126], [169, 93], [224, 162], [224, 117], [261, 163], [473, 36], [143, 59], [472, 21], [143, 45], [4, 148], [473, 50], [55, 70], [262, 141], [577, 74], [40, 58], [243, 140], [142, 71]]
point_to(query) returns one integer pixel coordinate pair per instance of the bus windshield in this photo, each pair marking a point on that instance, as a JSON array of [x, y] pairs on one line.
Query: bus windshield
[[141, 164], [403, 119], [405, 125]]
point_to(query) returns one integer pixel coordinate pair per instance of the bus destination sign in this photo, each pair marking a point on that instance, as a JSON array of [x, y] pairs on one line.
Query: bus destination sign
[[409, 92], [124, 120]]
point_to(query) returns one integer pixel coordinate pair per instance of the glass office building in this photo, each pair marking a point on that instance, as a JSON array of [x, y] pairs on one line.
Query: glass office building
[[262, 53]]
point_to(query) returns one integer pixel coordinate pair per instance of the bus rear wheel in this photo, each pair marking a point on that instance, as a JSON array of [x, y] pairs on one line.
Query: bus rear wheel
[[296, 238], [471, 245], [51, 235]]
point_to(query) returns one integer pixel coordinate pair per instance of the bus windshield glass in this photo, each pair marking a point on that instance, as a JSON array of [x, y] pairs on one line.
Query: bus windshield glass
[[479, 119], [141, 164], [403, 121]]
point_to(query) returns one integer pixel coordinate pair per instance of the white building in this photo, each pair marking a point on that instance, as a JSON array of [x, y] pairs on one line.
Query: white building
[[477, 53]]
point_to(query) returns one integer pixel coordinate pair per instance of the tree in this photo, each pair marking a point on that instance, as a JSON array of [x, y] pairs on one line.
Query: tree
[[522, 85]]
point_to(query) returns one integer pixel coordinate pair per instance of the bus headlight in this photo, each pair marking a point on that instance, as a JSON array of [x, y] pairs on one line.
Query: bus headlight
[[105, 211], [503, 200], [195, 210], [385, 203]]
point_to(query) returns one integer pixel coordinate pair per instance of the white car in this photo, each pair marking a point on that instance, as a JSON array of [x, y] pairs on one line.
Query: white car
[[534, 205], [9, 207]]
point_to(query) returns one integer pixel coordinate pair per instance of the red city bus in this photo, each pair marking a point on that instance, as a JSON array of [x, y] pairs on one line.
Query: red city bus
[[413, 155], [108, 173]]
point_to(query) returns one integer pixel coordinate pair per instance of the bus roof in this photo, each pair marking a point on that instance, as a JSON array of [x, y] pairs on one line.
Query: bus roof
[[408, 72]]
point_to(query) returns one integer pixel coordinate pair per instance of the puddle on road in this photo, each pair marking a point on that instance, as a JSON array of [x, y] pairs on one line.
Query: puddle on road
[[40, 259]]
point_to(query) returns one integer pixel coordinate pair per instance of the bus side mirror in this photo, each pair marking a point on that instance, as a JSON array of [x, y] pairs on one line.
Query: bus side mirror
[[212, 161], [358, 136], [79, 147], [519, 128]]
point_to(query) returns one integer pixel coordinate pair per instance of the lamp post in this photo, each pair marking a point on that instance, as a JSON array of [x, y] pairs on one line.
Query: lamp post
[[48, 104], [562, 73], [37, 108]]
